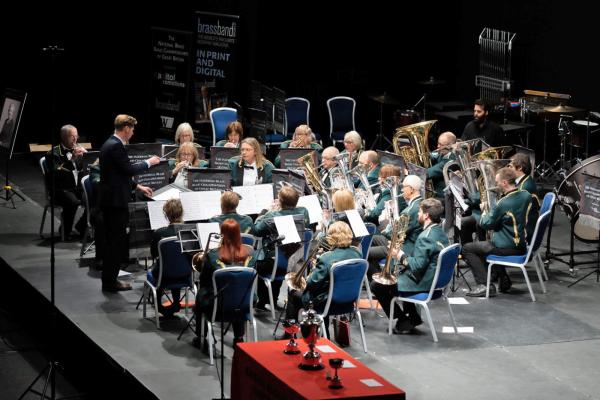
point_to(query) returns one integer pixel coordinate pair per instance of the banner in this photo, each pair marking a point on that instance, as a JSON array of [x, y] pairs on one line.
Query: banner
[[171, 63], [589, 215], [215, 49]]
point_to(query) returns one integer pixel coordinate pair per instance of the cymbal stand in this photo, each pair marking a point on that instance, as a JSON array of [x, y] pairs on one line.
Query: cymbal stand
[[544, 169], [380, 136], [424, 100], [564, 130]]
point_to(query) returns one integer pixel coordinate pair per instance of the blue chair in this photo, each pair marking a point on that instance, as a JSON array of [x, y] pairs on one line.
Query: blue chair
[[238, 285], [444, 271], [44, 168], [175, 267], [365, 246], [341, 117], [280, 268], [248, 239], [219, 119], [296, 113], [345, 283], [521, 261], [86, 184], [547, 202]]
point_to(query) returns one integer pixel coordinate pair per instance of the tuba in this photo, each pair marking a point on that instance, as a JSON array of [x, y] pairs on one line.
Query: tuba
[[365, 197], [417, 135], [296, 280], [463, 163], [386, 277], [486, 183]]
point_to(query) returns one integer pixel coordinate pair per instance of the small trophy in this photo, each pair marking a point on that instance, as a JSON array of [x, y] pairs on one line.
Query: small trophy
[[291, 328], [310, 327], [336, 381]]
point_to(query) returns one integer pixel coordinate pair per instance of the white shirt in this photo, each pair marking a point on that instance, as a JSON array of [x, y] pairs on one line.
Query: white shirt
[[250, 175]]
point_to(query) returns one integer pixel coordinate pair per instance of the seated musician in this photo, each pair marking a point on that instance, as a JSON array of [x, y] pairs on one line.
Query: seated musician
[[234, 132], [370, 163], [231, 252], [507, 221], [66, 159], [184, 134], [482, 127], [250, 167], [328, 163], [411, 192], [229, 203], [385, 195], [352, 147], [342, 200], [522, 165], [187, 156], [418, 269], [439, 158], [303, 139], [173, 210], [288, 201], [339, 239]]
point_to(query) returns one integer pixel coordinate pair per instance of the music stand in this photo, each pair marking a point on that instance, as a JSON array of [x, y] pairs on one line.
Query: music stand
[[383, 99]]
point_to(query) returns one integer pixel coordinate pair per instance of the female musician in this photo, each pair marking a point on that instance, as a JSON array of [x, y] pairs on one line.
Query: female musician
[[385, 195], [187, 156], [231, 252], [339, 238], [185, 133], [353, 147], [250, 167], [303, 139], [233, 135]]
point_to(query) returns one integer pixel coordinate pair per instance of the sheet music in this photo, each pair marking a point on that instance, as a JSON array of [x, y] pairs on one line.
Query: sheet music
[[172, 193], [312, 204], [157, 217], [456, 186], [200, 205], [254, 198], [285, 226], [204, 230], [356, 223]]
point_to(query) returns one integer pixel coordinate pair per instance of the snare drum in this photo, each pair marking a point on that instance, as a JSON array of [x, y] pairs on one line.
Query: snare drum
[[406, 117], [580, 130]]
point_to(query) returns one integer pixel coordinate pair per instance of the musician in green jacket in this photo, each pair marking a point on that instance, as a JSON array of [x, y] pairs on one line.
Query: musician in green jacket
[[439, 158], [507, 221], [250, 167], [234, 132], [386, 171], [229, 203], [303, 139], [370, 162], [417, 270], [521, 163]]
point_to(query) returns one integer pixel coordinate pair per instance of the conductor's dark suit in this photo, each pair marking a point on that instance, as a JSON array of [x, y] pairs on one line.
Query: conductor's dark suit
[[116, 184]]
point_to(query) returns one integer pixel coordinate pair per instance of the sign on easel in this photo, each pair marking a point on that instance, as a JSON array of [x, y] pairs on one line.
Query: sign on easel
[[589, 214], [219, 156], [12, 109], [155, 177]]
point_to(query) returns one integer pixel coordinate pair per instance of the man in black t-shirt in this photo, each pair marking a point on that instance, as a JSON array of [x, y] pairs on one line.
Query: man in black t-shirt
[[482, 127]]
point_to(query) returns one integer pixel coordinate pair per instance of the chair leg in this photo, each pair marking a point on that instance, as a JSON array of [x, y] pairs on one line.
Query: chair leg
[[489, 278], [391, 315], [209, 334], [430, 322], [83, 242], [369, 294], [323, 328], [156, 302], [144, 299], [452, 315], [362, 330], [541, 263], [528, 283], [271, 302], [254, 329], [43, 221], [538, 269]]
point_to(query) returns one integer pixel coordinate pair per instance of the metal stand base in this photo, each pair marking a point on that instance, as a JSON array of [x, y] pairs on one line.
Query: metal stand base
[[9, 193], [49, 370]]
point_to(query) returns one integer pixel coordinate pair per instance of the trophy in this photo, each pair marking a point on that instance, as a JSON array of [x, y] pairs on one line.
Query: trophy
[[291, 328], [310, 327], [336, 381]]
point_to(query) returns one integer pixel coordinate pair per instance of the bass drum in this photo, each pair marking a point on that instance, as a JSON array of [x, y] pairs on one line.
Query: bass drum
[[406, 117], [569, 194]]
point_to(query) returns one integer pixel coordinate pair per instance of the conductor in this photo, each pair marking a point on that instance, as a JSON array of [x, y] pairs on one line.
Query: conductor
[[116, 184]]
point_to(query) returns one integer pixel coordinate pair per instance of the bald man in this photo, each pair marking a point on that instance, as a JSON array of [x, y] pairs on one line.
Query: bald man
[[328, 162], [439, 158], [370, 162]]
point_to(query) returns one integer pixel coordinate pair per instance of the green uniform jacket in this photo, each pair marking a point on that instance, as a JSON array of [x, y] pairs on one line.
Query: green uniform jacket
[[211, 264], [420, 267], [354, 161], [237, 171], [528, 184], [508, 219], [222, 143], [414, 227], [435, 172], [261, 229], [245, 221], [286, 144], [373, 215], [372, 178], [317, 283]]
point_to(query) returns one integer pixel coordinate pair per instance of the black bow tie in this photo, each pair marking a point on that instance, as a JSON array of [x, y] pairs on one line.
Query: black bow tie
[[248, 166]]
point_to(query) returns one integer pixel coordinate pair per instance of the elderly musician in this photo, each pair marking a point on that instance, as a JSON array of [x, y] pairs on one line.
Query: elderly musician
[[234, 132], [230, 252], [288, 201], [507, 221], [339, 239], [370, 163], [187, 156], [229, 203], [439, 158], [303, 139], [328, 163], [386, 171], [250, 167], [417, 270], [184, 134], [352, 147], [522, 165], [411, 192], [66, 160]]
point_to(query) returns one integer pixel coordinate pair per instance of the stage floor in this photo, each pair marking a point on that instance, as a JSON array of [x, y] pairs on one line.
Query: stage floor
[[518, 349]]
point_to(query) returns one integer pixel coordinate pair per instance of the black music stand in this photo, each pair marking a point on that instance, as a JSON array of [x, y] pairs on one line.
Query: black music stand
[[381, 138]]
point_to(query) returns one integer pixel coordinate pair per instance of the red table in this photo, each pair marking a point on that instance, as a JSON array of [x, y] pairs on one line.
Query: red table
[[262, 371]]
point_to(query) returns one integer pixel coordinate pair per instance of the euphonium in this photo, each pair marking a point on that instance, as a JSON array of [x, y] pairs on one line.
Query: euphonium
[[367, 199], [198, 258], [311, 173], [399, 228], [417, 135], [296, 280], [487, 181]]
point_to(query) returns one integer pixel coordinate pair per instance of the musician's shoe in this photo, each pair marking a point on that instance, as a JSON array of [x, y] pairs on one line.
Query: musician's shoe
[[115, 287], [261, 307], [403, 327], [505, 283], [479, 291]]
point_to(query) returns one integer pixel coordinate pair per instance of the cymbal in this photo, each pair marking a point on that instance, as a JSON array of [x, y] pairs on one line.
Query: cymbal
[[432, 81], [385, 99], [562, 109]]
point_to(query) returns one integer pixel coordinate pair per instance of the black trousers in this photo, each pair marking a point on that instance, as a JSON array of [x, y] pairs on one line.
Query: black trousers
[[115, 223], [468, 226], [385, 293], [377, 252], [475, 254], [69, 200]]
